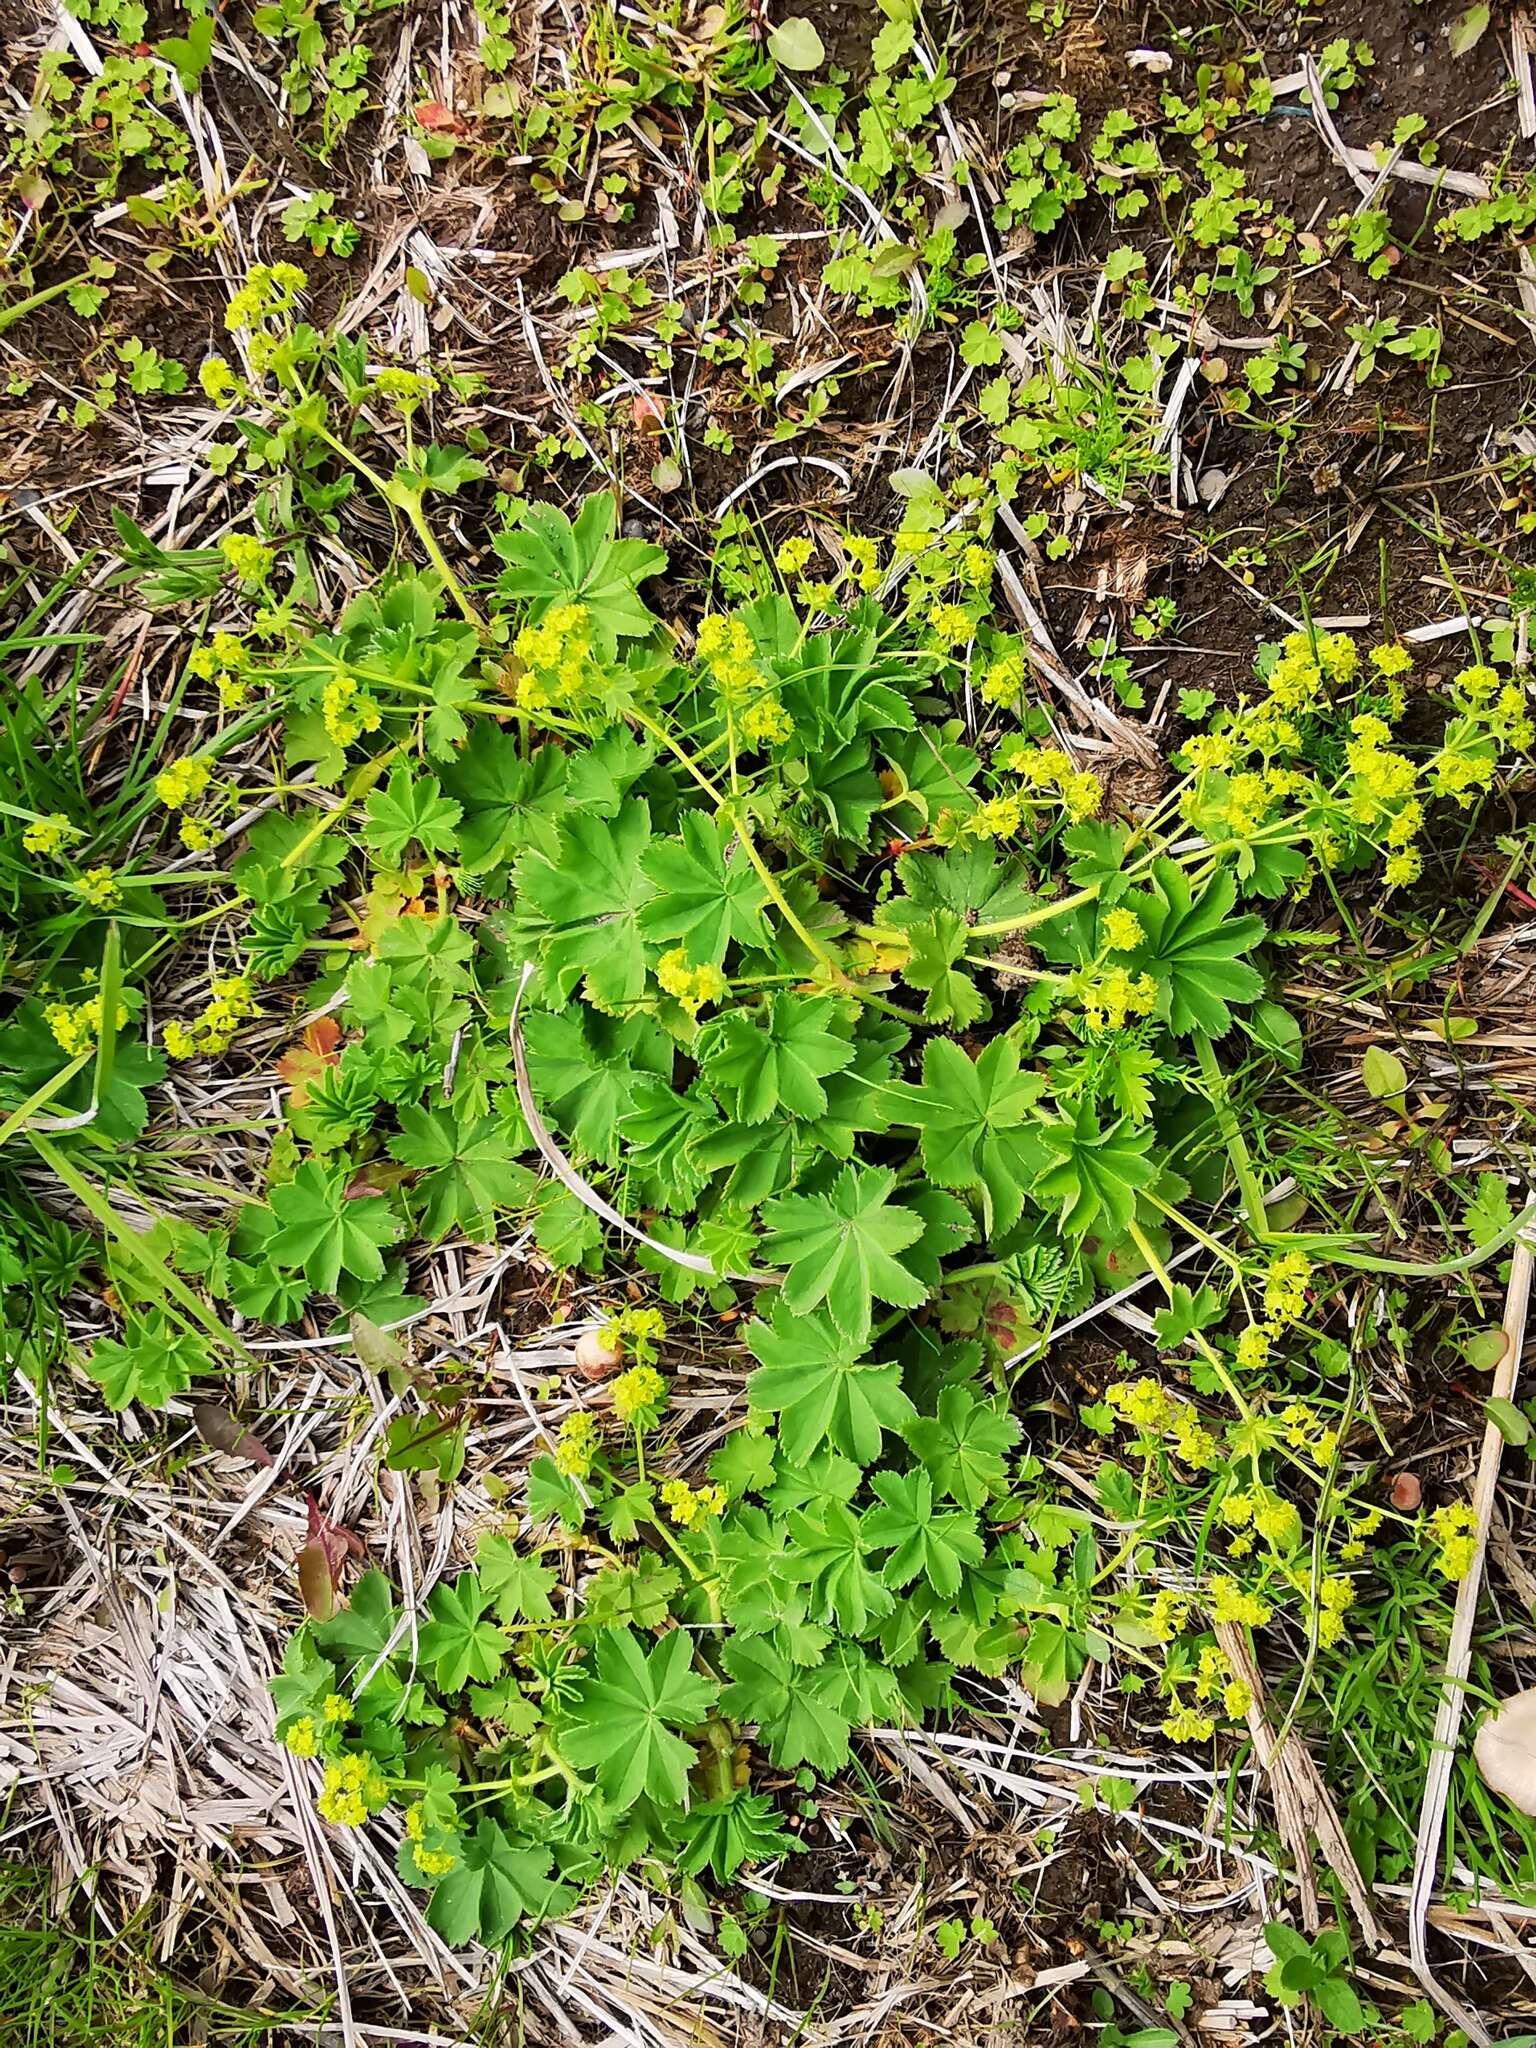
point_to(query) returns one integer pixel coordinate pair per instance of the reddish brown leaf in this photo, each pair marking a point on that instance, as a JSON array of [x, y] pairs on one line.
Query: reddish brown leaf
[[303, 1064], [336, 1541], [438, 119], [648, 413], [317, 1586], [222, 1432], [1406, 1492]]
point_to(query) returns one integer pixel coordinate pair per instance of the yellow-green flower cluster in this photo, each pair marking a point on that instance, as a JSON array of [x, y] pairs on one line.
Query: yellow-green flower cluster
[[1115, 998], [638, 1331], [1229, 1602], [691, 1507], [354, 1788], [1262, 1510], [430, 1862], [1335, 1597], [348, 709], [1047, 770], [77, 1026], [1159, 1414], [231, 1000], [48, 836], [221, 386], [1305, 1430], [1212, 1679], [1167, 1615], [1004, 680], [247, 557], [727, 652], [1453, 1530], [407, 387], [269, 288], [692, 986], [1123, 931], [222, 660], [576, 1445], [100, 888], [181, 783], [1188, 1724], [1285, 1288], [559, 671], [638, 1396], [951, 625], [792, 556], [863, 555], [302, 1737]]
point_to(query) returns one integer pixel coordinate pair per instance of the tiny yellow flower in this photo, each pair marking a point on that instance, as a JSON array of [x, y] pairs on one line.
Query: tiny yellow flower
[[638, 1396], [48, 835], [1123, 930], [247, 557]]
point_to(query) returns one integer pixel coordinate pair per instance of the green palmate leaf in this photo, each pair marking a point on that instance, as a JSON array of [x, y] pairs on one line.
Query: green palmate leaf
[[1192, 950], [840, 1249], [936, 1545], [1093, 1173], [723, 1834], [518, 1587], [813, 1380], [977, 1121], [508, 802], [964, 1446], [582, 908], [467, 1169], [777, 1058], [793, 1707], [707, 895], [460, 1643], [1185, 1314], [550, 561], [587, 1068], [970, 881], [625, 1714], [661, 1128], [828, 1552], [409, 810], [324, 1233], [497, 1881], [356, 1635], [154, 1363], [952, 996]]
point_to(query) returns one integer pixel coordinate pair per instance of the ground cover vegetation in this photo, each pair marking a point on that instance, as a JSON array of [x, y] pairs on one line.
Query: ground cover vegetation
[[763, 1099]]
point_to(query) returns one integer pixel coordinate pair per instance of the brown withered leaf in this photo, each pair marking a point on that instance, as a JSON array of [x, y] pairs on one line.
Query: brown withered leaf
[[302, 1065], [222, 1431]]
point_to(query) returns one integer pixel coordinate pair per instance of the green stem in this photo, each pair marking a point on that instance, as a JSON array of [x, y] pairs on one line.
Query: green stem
[[408, 502], [1237, 1149]]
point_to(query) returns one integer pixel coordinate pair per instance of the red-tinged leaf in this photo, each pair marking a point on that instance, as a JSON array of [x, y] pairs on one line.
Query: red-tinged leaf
[[438, 119], [336, 1541], [648, 413], [303, 1064], [221, 1431], [317, 1584]]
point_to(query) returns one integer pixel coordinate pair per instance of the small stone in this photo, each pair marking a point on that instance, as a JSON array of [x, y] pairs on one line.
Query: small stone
[[1212, 486]]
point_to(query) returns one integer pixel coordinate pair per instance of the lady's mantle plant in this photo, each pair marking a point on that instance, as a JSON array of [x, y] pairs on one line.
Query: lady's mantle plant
[[838, 974]]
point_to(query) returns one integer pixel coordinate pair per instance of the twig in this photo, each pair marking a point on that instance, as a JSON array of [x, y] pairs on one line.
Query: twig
[[1458, 1658]]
